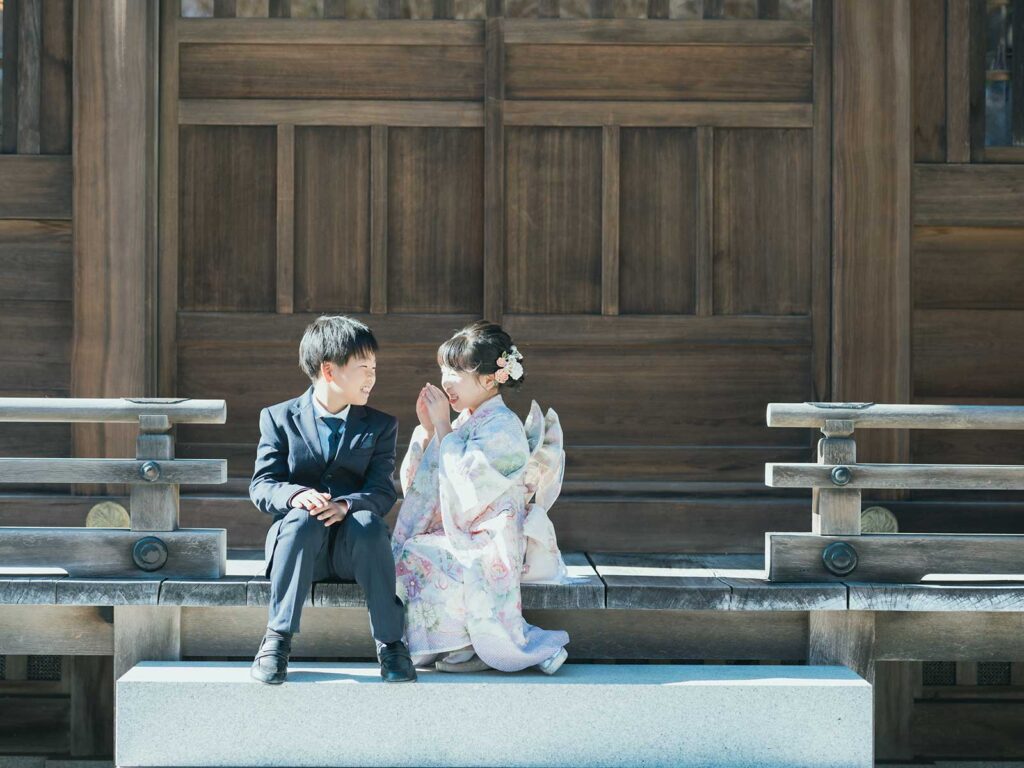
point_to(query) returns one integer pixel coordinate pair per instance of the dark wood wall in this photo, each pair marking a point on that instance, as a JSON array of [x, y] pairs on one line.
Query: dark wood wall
[[643, 204]]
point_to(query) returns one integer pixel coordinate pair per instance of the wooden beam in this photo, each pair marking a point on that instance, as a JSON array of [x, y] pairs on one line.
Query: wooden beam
[[896, 557], [332, 32], [285, 219], [61, 630], [378, 220], [111, 410], [115, 94], [909, 416], [949, 636], [35, 187], [994, 477], [454, 114], [724, 114], [986, 195], [871, 172], [640, 32], [610, 221], [202, 471], [107, 552]]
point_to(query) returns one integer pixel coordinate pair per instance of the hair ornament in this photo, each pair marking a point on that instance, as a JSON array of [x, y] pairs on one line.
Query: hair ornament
[[509, 366]]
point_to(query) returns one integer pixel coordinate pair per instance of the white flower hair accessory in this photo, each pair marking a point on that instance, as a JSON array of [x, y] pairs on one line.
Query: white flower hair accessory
[[509, 366]]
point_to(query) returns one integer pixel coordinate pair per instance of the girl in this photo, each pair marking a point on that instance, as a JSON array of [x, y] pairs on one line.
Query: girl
[[474, 520]]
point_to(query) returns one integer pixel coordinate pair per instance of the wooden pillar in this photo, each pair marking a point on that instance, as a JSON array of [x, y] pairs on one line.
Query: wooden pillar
[[145, 633], [871, 171], [114, 196], [843, 637]]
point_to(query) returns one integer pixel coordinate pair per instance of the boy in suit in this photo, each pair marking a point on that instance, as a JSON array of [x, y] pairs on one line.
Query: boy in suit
[[323, 472]]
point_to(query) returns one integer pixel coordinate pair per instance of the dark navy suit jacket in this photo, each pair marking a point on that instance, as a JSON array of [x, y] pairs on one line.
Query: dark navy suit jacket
[[289, 458]]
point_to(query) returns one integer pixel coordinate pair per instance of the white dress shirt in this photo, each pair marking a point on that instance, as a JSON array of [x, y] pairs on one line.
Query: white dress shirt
[[322, 429]]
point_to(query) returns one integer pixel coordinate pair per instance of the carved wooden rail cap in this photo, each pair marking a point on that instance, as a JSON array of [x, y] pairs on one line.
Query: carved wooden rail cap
[[881, 416], [117, 409]]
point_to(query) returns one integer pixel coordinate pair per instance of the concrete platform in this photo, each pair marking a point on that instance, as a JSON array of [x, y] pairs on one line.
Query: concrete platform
[[212, 714]]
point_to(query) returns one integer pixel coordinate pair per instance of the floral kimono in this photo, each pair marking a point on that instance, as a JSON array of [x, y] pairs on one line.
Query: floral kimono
[[473, 525]]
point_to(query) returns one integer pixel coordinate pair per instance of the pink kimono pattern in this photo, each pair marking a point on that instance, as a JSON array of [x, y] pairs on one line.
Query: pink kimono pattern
[[472, 526]]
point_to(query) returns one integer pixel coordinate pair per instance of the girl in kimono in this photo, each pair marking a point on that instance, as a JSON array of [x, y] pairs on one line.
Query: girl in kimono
[[474, 522]]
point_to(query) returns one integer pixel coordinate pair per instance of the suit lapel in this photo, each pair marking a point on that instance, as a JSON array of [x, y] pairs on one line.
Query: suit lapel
[[355, 428], [305, 422]]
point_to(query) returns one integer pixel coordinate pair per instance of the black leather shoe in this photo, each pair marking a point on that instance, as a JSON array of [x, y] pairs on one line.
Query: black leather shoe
[[271, 663], [395, 663]]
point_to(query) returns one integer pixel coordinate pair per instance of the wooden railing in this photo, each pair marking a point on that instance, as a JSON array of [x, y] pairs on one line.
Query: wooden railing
[[154, 546], [836, 550]]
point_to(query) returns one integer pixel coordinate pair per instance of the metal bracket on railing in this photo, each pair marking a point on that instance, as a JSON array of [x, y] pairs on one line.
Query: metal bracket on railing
[[149, 553], [841, 475], [839, 558], [150, 471]]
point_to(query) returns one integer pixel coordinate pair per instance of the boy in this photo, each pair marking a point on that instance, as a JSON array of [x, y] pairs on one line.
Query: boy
[[323, 472]]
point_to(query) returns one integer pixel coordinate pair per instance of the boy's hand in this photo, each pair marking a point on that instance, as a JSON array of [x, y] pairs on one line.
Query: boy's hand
[[310, 499], [331, 512]]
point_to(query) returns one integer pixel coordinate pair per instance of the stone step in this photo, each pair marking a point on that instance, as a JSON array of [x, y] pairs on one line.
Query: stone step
[[213, 714]]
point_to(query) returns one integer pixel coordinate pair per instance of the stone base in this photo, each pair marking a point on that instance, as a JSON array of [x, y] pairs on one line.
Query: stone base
[[213, 714]]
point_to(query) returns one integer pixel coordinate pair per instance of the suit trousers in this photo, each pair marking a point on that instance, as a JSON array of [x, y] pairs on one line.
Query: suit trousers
[[303, 550]]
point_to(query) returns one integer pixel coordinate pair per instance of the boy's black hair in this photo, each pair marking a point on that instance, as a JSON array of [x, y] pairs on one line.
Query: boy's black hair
[[476, 349], [334, 338]]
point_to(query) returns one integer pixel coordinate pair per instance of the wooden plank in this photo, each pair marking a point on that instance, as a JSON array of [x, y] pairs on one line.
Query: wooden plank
[[553, 220], [56, 83], [494, 170], [62, 630], [645, 582], [958, 82], [704, 277], [285, 219], [110, 471], [933, 476], [107, 552], [407, 32], [145, 633], [901, 558], [92, 706], [35, 187], [843, 637], [985, 730], [260, 70], [35, 257], [987, 195], [354, 112], [30, 49], [884, 416], [332, 219], [222, 592], [660, 114], [610, 169], [871, 162], [762, 221], [821, 211], [107, 592], [936, 597], [28, 590], [949, 636], [928, 32], [379, 219], [435, 205], [658, 72], [835, 510], [167, 203], [659, 213], [968, 268], [643, 32], [970, 353]]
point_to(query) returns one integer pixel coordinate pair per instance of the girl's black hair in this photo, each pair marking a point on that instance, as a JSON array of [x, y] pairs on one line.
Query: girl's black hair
[[334, 338], [476, 349]]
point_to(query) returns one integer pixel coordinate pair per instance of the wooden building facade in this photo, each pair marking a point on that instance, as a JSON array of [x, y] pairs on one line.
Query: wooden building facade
[[681, 210]]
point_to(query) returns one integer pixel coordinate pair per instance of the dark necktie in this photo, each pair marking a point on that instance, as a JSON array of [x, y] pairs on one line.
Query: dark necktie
[[336, 425]]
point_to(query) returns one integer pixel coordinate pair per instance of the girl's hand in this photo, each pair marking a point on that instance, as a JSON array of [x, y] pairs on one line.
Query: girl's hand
[[438, 408], [422, 413]]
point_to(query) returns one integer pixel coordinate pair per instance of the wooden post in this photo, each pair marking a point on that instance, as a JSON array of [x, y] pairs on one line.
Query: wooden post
[[843, 637], [836, 511], [92, 704], [145, 633], [154, 507]]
